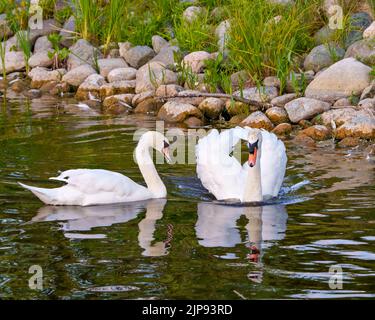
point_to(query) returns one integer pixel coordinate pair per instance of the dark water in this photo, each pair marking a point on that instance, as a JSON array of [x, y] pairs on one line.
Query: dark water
[[186, 246]]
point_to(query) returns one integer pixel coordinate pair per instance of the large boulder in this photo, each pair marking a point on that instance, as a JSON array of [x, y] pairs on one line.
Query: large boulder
[[323, 56], [139, 55], [305, 108], [339, 116], [152, 75], [107, 65], [77, 75], [257, 120], [363, 50], [82, 52], [261, 94], [120, 74], [178, 112], [360, 126], [14, 61], [341, 80], [195, 60], [40, 76]]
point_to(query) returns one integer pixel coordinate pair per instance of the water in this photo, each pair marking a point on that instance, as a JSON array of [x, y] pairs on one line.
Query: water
[[187, 246]]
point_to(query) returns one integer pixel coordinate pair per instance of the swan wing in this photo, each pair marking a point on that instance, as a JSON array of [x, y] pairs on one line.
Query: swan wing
[[219, 172]]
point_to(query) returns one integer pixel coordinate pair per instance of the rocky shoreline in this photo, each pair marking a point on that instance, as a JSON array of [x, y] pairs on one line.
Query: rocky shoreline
[[337, 100]]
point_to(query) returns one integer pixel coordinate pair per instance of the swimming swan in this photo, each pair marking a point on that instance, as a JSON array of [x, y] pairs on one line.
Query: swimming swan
[[258, 179], [86, 187]]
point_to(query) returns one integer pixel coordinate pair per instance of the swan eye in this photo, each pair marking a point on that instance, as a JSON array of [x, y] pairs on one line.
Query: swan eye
[[66, 178], [166, 144]]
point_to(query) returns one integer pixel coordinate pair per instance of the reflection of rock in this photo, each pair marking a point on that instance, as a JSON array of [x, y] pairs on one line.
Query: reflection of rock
[[86, 218], [217, 224]]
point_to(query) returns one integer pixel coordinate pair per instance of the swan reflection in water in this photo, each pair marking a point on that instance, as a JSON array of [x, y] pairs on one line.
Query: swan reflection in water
[[76, 218], [217, 227]]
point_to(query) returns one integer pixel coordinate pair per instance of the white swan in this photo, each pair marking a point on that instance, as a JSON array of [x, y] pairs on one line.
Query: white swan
[[86, 187], [259, 178]]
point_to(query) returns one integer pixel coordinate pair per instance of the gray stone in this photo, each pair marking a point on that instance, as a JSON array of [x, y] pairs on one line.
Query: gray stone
[[323, 56], [107, 65], [123, 47], [222, 34], [341, 80], [305, 108], [139, 55], [166, 56], [14, 61], [363, 50], [42, 44], [257, 120], [195, 60], [67, 32], [39, 76], [192, 13], [158, 43], [369, 33], [5, 31], [77, 76], [82, 52], [212, 107], [281, 101], [119, 74], [40, 59], [261, 94], [178, 112], [91, 86]]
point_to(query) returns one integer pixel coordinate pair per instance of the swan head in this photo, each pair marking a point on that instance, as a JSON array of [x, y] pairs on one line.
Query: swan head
[[254, 141], [159, 142]]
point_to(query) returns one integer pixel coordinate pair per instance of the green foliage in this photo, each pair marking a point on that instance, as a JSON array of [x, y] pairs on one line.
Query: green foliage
[[372, 73], [185, 74], [48, 7], [2, 57], [17, 14], [63, 14], [59, 55], [25, 45], [266, 46]]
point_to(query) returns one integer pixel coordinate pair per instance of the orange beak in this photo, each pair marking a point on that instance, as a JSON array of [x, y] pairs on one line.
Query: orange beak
[[253, 158]]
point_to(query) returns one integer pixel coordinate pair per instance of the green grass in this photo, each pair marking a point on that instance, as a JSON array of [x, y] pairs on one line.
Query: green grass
[[25, 45], [264, 47]]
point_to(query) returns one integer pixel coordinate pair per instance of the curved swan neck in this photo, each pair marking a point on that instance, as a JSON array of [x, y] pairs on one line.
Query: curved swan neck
[[154, 184], [253, 182]]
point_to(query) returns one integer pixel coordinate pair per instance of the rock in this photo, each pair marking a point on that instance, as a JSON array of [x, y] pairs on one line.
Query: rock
[[277, 115], [152, 75], [5, 31], [237, 119], [349, 142], [193, 122], [341, 80], [91, 85], [324, 35], [42, 44], [282, 129], [317, 132], [166, 56], [368, 103], [305, 108], [322, 56], [107, 65], [222, 34], [77, 75], [343, 102], [59, 89], [67, 32], [117, 87], [123, 47], [120, 74], [19, 85], [14, 61], [40, 76], [33, 94], [49, 26], [304, 140], [140, 97], [40, 59], [262, 94], [236, 107], [297, 82], [304, 124], [212, 107], [338, 116], [272, 82], [257, 120], [359, 22], [195, 60], [239, 79], [49, 86], [369, 91], [158, 43], [363, 50], [149, 105], [360, 126], [139, 55], [82, 52], [118, 98], [114, 53], [192, 13], [281, 101], [369, 33], [168, 90], [178, 112]]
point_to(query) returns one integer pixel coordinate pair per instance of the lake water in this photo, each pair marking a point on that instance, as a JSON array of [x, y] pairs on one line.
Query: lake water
[[184, 247]]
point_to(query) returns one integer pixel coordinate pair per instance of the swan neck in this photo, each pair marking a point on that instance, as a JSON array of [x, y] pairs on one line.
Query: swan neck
[[147, 167], [253, 183]]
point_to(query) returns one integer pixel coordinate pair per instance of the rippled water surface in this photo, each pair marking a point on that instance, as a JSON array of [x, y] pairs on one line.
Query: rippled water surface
[[186, 246]]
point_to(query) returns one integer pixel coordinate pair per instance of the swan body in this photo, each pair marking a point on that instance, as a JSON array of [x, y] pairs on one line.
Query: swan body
[[86, 187], [222, 175]]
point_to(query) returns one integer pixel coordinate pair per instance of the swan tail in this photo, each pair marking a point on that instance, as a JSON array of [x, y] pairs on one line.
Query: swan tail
[[48, 196]]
